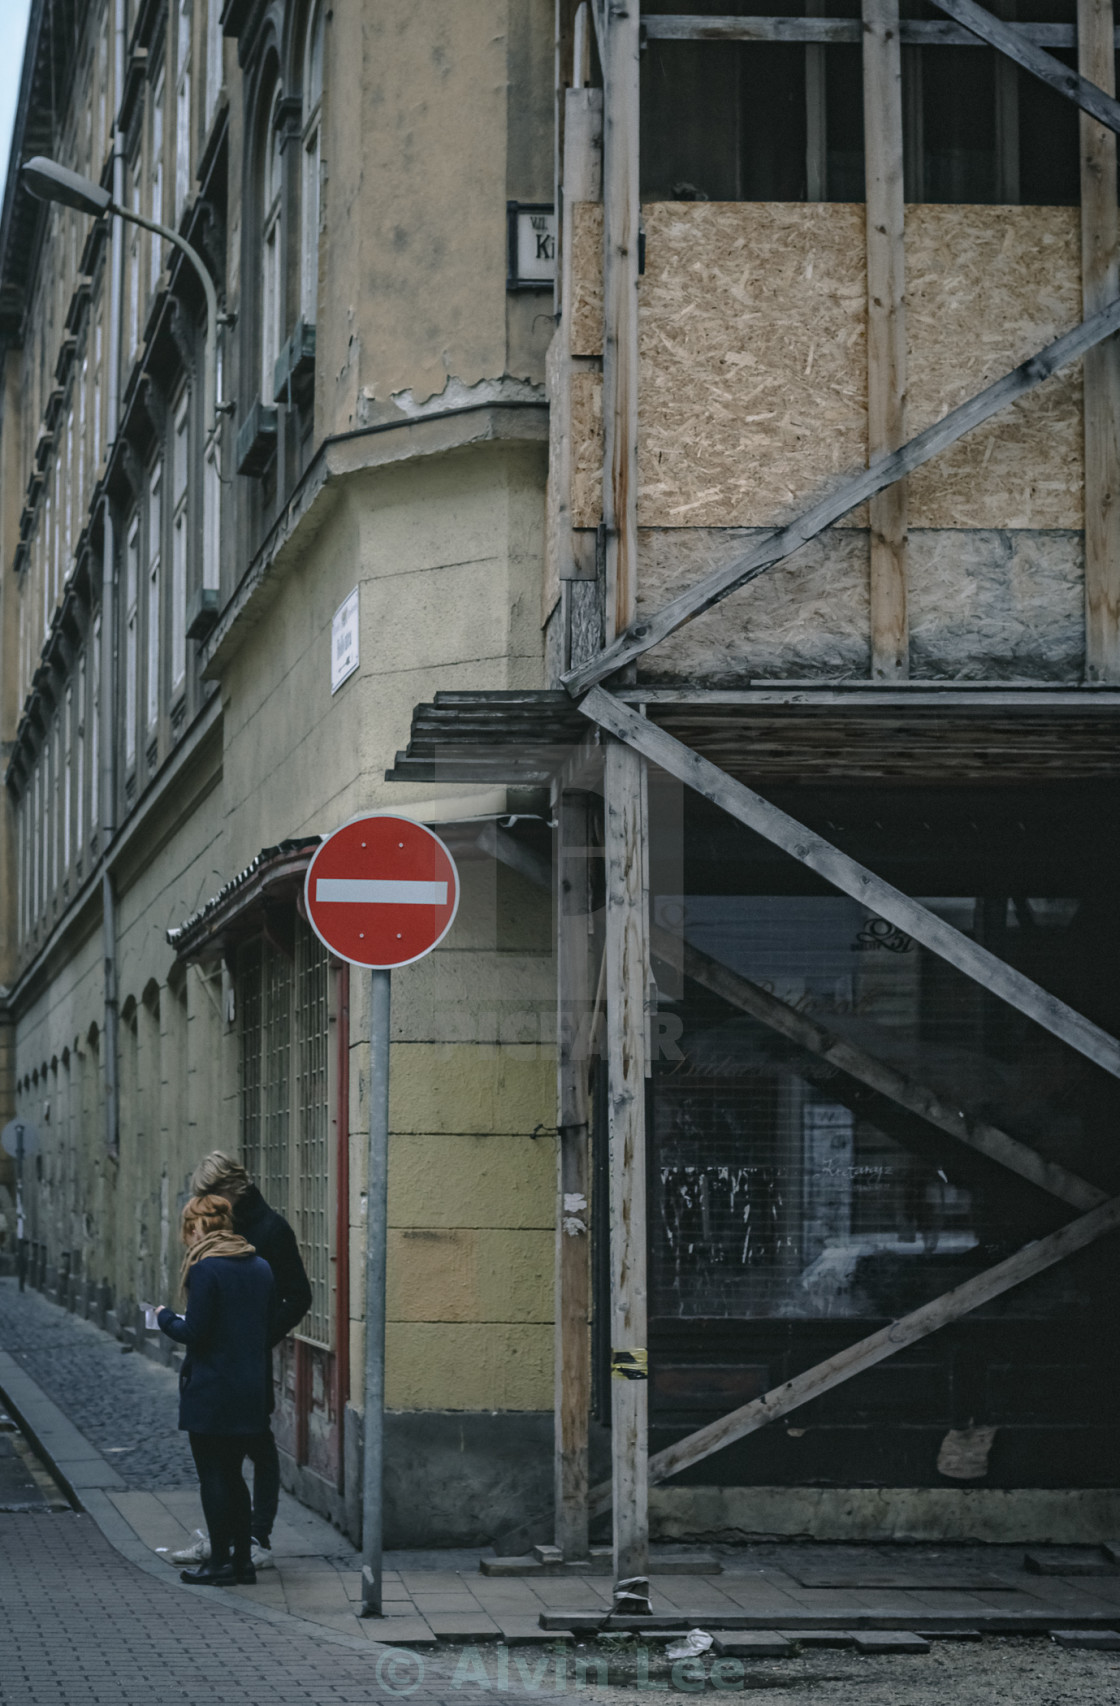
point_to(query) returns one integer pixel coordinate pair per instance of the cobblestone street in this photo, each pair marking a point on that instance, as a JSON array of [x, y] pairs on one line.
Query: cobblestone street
[[124, 1404]]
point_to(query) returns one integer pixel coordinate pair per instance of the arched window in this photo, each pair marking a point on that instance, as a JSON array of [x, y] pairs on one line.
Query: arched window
[[272, 253], [311, 163]]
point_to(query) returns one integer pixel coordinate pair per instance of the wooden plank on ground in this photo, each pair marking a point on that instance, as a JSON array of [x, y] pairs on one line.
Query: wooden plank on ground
[[1100, 282], [816, 1038], [777, 546], [886, 331], [852, 878], [877, 1347]]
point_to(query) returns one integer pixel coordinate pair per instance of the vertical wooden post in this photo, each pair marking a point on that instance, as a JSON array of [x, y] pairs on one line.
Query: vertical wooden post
[[627, 981], [621, 221], [886, 330], [816, 113], [1100, 283], [573, 1251]]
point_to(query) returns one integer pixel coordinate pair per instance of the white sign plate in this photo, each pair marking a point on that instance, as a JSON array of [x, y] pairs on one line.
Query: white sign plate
[[344, 641], [536, 245]]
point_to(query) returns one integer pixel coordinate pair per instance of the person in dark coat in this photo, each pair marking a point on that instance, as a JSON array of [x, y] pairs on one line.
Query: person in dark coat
[[273, 1239], [225, 1386]]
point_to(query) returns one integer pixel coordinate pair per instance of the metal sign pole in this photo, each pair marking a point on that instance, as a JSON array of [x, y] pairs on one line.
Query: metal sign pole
[[376, 1198]]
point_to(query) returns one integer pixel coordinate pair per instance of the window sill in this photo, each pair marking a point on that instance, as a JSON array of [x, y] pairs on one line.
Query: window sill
[[256, 441]]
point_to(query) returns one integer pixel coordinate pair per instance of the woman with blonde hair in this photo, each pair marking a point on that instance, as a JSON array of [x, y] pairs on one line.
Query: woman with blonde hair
[[225, 1389]]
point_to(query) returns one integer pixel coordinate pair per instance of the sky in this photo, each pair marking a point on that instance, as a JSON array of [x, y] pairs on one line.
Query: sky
[[13, 29]]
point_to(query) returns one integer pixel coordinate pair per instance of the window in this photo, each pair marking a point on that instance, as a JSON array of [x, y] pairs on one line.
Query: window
[[272, 254], [283, 1006], [155, 518], [71, 482], [80, 744], [783, 121], [131, 638], [183, 109], [55, 780], [179, 543], [156, 252], [213, 56], [96, 461], [211, 518], [134, 263], [95, 732], [67, 776], [310, 157], [37, 840]]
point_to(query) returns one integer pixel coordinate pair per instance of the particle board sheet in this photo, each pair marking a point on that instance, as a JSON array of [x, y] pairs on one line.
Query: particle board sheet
[[586, 311], [985, 288], [752, 377]]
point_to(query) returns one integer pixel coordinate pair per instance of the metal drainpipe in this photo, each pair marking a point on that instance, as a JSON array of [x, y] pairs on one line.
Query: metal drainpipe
[[107, 782]]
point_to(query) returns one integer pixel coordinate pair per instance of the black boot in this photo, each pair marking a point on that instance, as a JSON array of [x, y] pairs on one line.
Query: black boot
[[213, 1574]]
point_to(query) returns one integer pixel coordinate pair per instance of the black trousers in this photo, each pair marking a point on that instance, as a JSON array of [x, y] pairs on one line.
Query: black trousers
[[261, 1452], [225, 1497]]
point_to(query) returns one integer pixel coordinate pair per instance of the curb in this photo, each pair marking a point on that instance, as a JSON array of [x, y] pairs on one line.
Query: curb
[[87, 1478]]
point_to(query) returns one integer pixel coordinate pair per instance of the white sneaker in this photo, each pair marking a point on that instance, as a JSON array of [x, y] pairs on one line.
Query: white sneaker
[[262, 1557], [198, 1552]]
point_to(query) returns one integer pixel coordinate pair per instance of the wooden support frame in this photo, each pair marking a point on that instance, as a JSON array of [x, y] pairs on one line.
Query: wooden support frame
[[886, 331], [573, 1182], [938, 32], [878, 1075], [950, 1306], [1100, 282], [777, 546], [627, 989], [851, 878], [620, 48]]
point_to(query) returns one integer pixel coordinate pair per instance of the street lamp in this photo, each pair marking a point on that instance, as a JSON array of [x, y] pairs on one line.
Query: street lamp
[[52, 182]]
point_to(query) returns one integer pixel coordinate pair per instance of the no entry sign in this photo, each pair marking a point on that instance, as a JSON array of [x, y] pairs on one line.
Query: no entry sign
[[381, 892]]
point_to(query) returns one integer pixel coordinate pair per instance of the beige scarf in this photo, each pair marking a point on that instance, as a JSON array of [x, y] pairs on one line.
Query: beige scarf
[[214, 1244]]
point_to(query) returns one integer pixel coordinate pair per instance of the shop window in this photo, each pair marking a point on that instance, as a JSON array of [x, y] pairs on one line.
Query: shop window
[[283, 1006]]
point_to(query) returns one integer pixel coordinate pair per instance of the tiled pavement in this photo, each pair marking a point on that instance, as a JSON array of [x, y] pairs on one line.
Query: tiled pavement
[[432, 1596]]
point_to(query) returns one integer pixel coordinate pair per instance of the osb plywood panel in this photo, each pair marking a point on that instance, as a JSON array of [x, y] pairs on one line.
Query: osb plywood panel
[[753, 383], [753, 390], [586, 317], [587, 449], [808, 616], [985, 288], [990, 604]]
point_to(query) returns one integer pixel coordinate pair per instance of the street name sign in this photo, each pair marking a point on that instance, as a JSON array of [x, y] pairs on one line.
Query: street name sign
[[381, 892]]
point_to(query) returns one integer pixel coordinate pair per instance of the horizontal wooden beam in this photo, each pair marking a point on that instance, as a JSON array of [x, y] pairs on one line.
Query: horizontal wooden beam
[[828, 31], [777, 546], [878, 1075], [943, 1310], [852, 878], [1088, 96]]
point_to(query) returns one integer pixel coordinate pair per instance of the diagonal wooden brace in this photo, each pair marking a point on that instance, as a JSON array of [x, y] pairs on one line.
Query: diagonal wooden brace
[[777, 546], [853, 879], [1036, 60], [811, 1035], [950, 1306]]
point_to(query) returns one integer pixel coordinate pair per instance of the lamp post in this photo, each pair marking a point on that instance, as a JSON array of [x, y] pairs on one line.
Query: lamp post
[[52, 182]]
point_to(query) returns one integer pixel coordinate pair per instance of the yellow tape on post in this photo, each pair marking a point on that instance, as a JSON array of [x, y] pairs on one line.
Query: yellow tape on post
[[630, 1365]]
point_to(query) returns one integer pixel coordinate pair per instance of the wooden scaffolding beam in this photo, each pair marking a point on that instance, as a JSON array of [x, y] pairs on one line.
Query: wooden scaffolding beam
[[886, 331], [1100, 283], [573, 1239]]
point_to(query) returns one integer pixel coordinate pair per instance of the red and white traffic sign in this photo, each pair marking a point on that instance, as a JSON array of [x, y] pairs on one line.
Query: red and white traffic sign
[[381, 892]]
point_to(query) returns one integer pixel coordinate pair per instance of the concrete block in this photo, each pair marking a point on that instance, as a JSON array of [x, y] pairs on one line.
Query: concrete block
[[1088, 1640], [477, 1179], [437, 1365], [751, 1644], [465, 1088], [397, 1631], [470, 1274], [822, 1637], [888, 1641], [463, 1626], [524, 1631], [1068, 1561]]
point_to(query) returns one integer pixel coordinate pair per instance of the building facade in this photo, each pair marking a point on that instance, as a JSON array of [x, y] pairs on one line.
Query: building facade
[[214, 631], [742, 605]]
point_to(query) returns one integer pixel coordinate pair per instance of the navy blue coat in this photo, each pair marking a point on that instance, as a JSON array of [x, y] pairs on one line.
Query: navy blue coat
[[225, 1386]]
